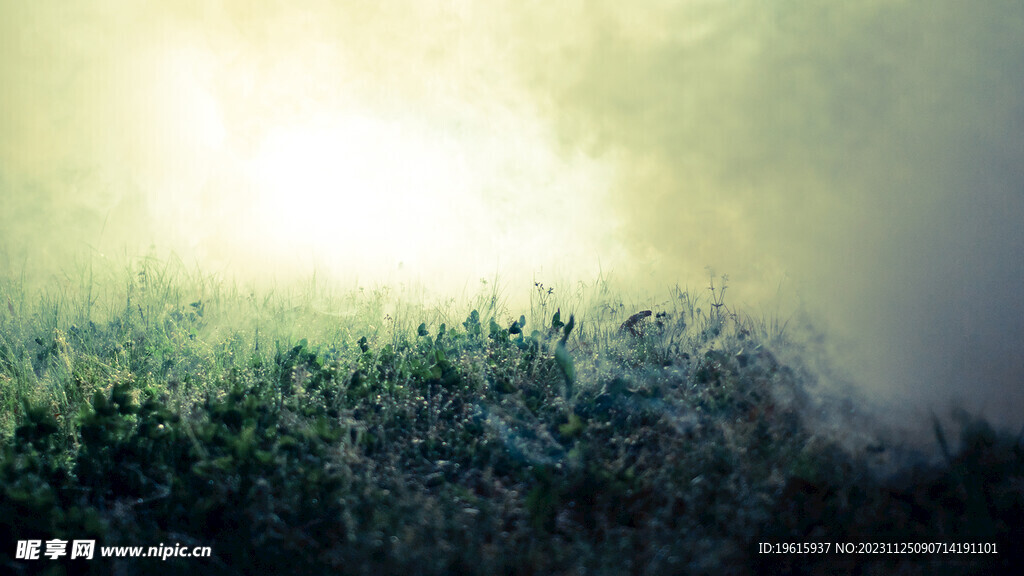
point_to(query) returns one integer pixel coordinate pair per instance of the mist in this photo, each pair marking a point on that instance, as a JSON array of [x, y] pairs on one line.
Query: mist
[[859, 165]]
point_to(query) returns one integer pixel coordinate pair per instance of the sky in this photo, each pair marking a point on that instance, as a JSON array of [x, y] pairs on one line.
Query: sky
[[860, 162]]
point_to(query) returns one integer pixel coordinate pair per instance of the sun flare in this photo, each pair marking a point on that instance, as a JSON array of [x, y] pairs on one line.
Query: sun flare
[[357, 189]]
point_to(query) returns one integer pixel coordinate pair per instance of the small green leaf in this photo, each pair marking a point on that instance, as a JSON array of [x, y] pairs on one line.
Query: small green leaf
[[556, 320], [572, 428], [568, 328]]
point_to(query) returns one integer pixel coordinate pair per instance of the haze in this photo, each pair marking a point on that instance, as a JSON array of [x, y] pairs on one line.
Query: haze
[[862, 163]]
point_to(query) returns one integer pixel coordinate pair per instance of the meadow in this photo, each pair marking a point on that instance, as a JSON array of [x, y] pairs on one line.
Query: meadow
[[304, 429]]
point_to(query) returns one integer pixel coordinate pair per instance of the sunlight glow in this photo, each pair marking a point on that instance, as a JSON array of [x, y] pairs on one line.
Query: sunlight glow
[[357, 190]]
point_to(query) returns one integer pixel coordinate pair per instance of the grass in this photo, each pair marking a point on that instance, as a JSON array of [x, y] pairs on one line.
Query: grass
[[296, 429]]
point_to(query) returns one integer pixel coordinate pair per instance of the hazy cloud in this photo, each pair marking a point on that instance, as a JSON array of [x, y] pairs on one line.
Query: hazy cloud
[[866, 155]]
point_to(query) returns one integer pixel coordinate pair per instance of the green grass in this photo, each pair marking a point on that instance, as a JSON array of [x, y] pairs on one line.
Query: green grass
[[298, 429]]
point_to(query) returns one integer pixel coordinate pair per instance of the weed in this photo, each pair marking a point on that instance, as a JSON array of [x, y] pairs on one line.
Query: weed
[[295, 430]]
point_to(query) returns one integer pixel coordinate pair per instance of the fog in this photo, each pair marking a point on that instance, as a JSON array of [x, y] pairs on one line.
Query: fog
[[858, 165]]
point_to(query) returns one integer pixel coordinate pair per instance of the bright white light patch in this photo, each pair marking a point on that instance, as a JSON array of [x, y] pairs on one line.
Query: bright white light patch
[[357, 191], [447, 199]]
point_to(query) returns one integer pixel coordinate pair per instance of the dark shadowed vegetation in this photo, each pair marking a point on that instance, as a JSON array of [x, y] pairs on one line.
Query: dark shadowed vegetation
[[302, 432]]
